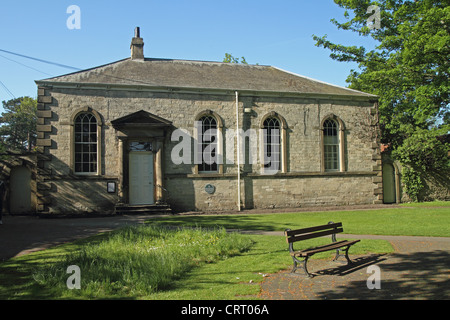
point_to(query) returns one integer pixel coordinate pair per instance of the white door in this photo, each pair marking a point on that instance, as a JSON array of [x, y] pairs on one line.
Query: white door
[[141, 177]]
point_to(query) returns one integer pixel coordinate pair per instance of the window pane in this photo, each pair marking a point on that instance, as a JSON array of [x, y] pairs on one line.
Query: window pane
[[85, 148], [330, 140], [140, 146], [85, 127]]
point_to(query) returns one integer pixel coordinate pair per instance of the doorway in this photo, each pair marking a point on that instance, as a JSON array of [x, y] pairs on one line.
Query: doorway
[[141, 180], [20, 190], [389, 185]]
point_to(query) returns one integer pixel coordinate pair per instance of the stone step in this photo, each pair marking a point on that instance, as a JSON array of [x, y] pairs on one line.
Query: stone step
[[143, 209]]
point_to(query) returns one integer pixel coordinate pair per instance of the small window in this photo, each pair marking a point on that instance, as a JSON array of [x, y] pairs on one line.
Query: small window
[[272, 144], [208, 143], [331, 145], [140, 146], [85, 144]]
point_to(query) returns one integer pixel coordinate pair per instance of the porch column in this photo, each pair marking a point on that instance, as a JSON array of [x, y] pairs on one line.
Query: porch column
[[121, 164], [158, 172]]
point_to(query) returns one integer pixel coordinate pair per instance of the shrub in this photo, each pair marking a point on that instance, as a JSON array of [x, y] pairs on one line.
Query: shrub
[[422, 155]]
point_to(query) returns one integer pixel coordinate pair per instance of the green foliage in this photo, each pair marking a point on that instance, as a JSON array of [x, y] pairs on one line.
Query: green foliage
[[424, 151], [230, 59], [422, 154], [408, 69], [413, 183], [18, 124]]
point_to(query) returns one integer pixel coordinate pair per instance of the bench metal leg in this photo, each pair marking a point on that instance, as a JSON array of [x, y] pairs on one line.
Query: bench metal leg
[[301, 266], [343, 255]]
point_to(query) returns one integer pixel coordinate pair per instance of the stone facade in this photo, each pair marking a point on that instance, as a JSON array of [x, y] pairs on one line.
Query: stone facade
[[119, 109]]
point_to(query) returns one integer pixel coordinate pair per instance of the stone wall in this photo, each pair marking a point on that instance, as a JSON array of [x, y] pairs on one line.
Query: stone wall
[[303, 184]]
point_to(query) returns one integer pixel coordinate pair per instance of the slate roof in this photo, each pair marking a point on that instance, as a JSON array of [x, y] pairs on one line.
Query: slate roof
[[201, 75]]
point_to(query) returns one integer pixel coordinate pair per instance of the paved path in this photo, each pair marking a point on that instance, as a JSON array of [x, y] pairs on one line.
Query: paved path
[[419, 268]]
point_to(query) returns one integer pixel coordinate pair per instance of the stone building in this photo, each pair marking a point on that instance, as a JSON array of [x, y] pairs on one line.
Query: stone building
[[144, 132]]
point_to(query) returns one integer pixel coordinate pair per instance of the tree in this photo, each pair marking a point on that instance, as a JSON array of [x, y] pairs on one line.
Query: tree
[[18, 124], [409, 67], [409, 70], [230, 59]]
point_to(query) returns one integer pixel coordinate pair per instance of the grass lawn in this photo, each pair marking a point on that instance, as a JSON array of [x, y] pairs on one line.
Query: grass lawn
[[410, 220], [222, 268]]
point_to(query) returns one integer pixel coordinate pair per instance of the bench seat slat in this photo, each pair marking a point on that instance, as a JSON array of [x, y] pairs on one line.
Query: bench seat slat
[[327, 247], [313, 229], [313, 235]]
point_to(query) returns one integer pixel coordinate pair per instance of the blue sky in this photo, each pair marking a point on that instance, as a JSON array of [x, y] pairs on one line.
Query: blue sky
[[277, 33]]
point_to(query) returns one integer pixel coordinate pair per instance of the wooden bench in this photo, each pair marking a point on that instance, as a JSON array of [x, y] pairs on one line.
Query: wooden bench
[[315, 232]]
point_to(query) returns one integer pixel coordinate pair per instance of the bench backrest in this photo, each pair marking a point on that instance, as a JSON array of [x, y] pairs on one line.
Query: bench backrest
[[313, 232]]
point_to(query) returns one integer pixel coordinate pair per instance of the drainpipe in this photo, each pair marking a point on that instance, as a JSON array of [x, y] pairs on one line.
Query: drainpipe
[[238, 154]]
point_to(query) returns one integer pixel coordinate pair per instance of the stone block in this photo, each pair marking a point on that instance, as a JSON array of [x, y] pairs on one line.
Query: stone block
[[44, 128], [44, 142], [44, 113], [45, 99]]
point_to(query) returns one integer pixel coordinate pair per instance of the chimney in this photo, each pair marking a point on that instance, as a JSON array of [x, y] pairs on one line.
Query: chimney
[[137, 46]]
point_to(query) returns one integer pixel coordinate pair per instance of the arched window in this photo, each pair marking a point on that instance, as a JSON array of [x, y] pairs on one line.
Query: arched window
[[208, 144], [331, 145], [272, 148], [85, 143]]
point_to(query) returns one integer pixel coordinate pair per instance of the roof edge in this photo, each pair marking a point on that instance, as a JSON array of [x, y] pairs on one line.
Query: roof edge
[[84, 70], [218, 91], [323, 82]]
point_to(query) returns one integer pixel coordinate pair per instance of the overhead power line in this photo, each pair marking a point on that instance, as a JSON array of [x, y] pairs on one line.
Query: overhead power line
[[41, 60], [7, 90], [24, 65]]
